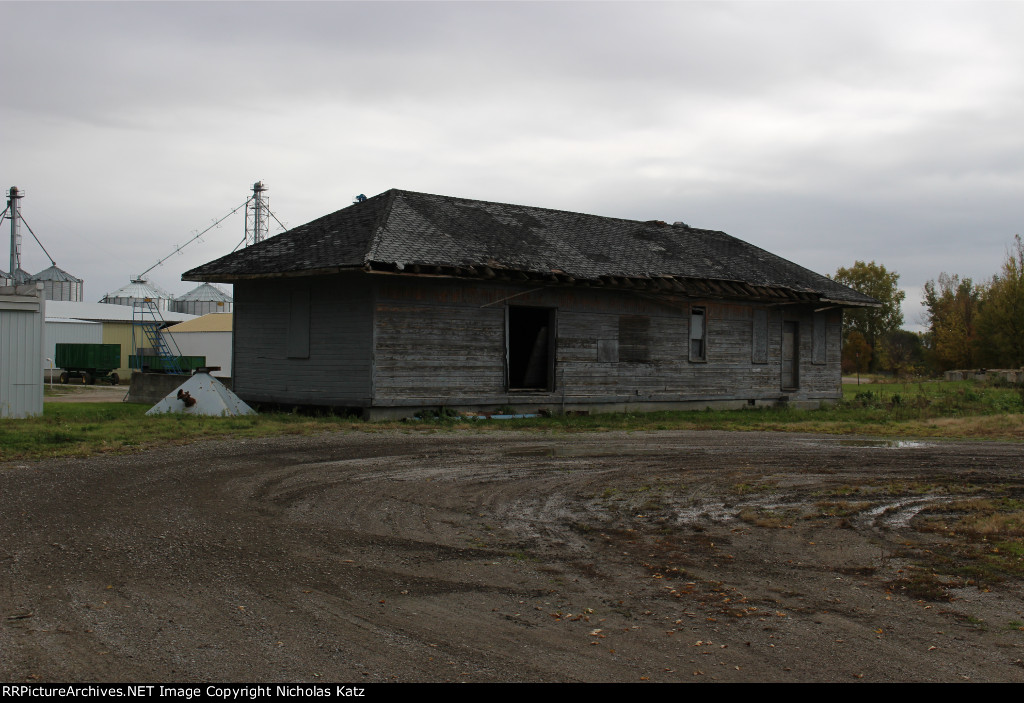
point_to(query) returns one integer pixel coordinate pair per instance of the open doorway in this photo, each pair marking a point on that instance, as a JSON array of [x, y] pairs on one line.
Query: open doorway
[[529, 342]]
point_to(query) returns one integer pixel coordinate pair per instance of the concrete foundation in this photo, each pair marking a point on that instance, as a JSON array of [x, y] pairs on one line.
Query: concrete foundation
[[394, 413]]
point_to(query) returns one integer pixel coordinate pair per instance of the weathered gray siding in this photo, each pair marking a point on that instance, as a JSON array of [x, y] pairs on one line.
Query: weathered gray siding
[[332, 366], [442, 342]]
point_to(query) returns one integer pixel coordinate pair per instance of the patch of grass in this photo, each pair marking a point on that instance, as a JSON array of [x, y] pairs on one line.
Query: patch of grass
[[81, 429], [924, 409], [764, 517], [522, 556], [976, 517], [982, 538], [977, 622], [921, 584], [753, 488], [841, 508]]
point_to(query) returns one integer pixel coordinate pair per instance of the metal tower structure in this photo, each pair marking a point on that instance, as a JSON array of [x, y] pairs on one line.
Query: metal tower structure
[[13, 211], [257, 224], [12, 208]]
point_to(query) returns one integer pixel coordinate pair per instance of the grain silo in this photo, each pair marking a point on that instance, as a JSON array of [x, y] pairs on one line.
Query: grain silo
[[202, 300], [137, 291], [58, 284]]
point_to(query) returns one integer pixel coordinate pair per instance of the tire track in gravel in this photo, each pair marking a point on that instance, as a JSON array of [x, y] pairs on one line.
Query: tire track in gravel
[[494, 556]]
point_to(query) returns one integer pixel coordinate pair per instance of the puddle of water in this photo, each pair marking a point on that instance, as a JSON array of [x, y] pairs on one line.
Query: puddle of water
[[882, 443], [874, 443]]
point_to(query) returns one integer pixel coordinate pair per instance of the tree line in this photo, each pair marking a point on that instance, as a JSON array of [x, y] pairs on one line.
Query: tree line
[[969, 324]]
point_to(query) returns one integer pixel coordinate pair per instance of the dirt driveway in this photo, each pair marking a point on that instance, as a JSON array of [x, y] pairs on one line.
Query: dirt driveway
[[391, 556], [85, 394]]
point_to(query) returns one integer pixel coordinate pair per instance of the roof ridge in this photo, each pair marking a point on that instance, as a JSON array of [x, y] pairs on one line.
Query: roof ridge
[[455, 198], [381, 223]]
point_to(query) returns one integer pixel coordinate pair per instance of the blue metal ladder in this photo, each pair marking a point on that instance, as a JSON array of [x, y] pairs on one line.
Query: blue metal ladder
[[147, 321]]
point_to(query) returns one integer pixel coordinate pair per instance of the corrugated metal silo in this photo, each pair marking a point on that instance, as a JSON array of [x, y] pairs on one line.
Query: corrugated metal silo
[[203, 300], [58, 284], [137, 291]]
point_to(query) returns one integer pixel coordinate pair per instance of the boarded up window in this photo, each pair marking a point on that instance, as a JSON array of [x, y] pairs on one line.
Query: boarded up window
[[818, 349], [759, 353], [298, 324], [634, 338], [698, 334], [790, 361], [608, 350]]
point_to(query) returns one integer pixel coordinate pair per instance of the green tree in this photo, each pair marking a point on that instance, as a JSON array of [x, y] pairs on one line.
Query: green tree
[[1001, 314], [874, 323], [904, 352], [952, 310], [856, 354]]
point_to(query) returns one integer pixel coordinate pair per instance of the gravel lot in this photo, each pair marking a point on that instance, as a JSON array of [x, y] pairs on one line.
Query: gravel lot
[[498, 556]]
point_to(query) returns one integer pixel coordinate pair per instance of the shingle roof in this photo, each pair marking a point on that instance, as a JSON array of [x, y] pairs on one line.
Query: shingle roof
[[416, 233]]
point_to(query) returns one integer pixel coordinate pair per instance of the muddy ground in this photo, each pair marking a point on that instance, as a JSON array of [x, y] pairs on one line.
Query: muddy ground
[[391, 556]]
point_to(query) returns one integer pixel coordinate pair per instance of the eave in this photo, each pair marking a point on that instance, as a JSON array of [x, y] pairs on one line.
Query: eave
[[665, 285]]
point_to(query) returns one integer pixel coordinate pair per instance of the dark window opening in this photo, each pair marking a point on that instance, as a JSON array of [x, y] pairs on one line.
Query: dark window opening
[[530, 341], [698, 348], [790, 356]]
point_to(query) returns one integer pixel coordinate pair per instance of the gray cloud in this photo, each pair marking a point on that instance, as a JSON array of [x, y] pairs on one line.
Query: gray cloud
[[827, 132]]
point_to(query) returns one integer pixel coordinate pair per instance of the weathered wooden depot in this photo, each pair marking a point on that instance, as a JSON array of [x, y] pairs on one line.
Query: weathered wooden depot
[[408, 300]]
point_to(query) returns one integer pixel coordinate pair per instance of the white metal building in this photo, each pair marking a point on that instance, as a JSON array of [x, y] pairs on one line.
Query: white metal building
[[209, 336], [22, 311]]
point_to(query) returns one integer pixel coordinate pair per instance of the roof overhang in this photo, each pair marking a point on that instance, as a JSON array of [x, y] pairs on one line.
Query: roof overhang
[[664, 285]]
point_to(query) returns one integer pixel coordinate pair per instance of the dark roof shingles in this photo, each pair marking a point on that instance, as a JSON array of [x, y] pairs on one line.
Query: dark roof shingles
[[404, 227]]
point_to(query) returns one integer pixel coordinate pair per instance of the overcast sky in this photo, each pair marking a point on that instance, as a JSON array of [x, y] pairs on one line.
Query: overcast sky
[[824, 132]]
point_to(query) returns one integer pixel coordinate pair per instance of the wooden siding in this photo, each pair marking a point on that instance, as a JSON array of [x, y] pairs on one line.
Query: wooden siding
[[442, 342], [337, 370]]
